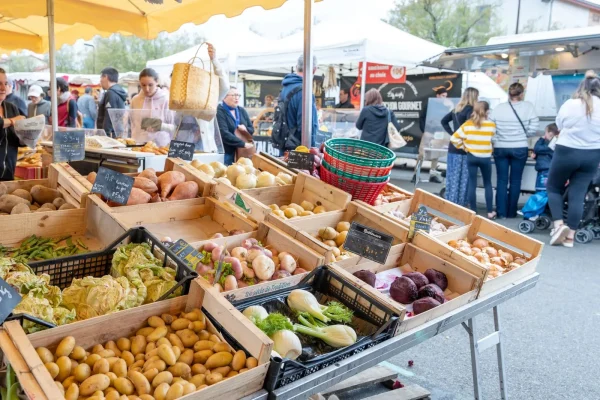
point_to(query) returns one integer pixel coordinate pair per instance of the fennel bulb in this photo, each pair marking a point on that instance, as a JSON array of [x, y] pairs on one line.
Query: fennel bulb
[[287, 344], [303, 301], [333, 335]]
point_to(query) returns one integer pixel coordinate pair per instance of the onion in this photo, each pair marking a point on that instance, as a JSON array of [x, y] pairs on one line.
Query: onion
[[491, 251], [480, 243], [286, 178], [244, 161], [265, 179], [207, 169], [218, 168], [245, 181], [287, 263], [233, 171]]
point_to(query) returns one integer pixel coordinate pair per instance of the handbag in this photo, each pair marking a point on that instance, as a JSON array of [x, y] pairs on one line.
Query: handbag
[[395, 138], [246, 137], [194, 89]]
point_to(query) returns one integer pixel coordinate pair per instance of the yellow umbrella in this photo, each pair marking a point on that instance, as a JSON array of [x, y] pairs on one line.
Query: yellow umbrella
[[24, 25]]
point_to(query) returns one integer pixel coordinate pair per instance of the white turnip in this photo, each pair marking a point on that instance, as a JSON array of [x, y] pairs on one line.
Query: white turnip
[[263, 267], [254, 252], [248, 243], [240, 253], [287, 263]]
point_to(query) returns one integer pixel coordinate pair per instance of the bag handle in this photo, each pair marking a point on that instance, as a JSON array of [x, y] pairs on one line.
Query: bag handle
[[519, 118], [191, 61]]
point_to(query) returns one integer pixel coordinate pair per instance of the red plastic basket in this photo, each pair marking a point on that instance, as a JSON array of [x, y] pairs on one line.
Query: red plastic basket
[[356, 169], [364, 191]]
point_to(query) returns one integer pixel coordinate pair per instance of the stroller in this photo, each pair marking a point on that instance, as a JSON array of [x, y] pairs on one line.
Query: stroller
[[536, 212]]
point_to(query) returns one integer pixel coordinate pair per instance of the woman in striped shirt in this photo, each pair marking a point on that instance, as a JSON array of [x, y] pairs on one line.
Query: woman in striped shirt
[[475, 136]]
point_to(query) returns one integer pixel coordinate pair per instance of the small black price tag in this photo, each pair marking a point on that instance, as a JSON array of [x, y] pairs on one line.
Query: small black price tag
[[187, 253], [419, 221], [113, 185], [300, 160], [9, 298], [368, 243], [68, 146], [183, 150]]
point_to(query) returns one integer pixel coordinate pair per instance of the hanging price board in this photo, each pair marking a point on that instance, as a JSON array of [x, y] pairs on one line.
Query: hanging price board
[[113, 185], [68, 146], [419, 221], [300, 160], [368, 243], [183, 150]]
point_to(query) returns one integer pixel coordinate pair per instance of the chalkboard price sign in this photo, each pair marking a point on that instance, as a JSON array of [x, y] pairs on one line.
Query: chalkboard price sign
[[419, 221], [183, 150], [9, 298], [187, 253], [113, 185], [368, 243], [300, 160], [68, 146]]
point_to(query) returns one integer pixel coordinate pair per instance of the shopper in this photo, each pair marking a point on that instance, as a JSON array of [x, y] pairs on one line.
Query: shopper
[[269, 101], [67, 106], [87, 106], [434, 174], [345, 99], [114, 97], [576, 158], [231, 116], [457, 175], [12, 97], [374, 118], [475, 136], [515, 121], [542, 153], [9, 142], [291, 95], [38, 105]]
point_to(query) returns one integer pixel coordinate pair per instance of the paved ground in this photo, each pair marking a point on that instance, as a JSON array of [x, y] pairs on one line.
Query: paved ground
[[551, 335]]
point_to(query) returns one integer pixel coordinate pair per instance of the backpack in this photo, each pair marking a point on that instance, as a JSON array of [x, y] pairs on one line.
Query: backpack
[[281, 131]]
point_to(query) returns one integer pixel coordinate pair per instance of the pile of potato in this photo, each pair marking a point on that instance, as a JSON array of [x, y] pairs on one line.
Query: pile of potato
[[335, 238], [38, 198], [172, 356], [148, 187], [294, 210]]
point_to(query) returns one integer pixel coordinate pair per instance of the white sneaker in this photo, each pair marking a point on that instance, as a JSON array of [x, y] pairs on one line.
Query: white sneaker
[[558, 235]]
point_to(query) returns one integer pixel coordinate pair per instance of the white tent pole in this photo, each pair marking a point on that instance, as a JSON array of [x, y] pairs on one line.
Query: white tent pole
[[308, 76], [52, 59], [363, 83], [235, 79]]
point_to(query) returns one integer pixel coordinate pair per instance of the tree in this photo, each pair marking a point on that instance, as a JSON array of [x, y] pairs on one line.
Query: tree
[[450, 23]]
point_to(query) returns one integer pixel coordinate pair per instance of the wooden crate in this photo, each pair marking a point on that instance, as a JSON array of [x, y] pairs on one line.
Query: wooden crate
[[464, 285], [446, 212], [265, 164], [306, 228], [500, 237], [272, 238], [192, 220], [125, 323], [306, 187], [92, 225]]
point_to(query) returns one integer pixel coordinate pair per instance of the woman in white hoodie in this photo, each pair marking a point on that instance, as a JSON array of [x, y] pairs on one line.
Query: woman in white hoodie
[[576, 158]]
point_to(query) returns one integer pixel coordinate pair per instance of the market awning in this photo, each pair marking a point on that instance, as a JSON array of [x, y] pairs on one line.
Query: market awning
[[23, 23]]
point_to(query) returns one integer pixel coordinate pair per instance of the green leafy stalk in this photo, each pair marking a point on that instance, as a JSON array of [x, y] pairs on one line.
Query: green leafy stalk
[[206, 257], [273, 323], [338, 312], [227, 270]]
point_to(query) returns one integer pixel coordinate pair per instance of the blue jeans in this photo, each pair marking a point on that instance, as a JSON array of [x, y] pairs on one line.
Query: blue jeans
[[510, 164], [88, 123], [485, 165], [229, 159]]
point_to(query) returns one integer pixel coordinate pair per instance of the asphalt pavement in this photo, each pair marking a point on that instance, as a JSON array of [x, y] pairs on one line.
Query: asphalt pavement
[[551, 334]]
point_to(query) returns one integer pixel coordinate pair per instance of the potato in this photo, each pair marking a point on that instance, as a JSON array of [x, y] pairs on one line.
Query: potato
[[150, 374], [221, 370], [138, 345], [220, 359], [137, 364], [97, 348], [157, 333], [166, 354], [168, 318], [64, 367], [155, 321], [200, 357], [239, 360], [20, 209], [176, 341], [149, 173], [42, 194], [22, 193], [231, 374], [188, 337], [145, 184], [330, 243], [52, 369], [204, 335], [188, 388], [341, 238], [72, 392], [78, 353], [82, 372], [112, 395], [290, 212], [180, 370], [106, 353], [68, 382], [162, 377], [160, 393], [45, 354], [251, 362], [198, 369], [146, 397], [67, 206], [111, 345], [112, 377], [175, 392], [218, 347], [306, 213], [58, 202], [319, 210], [187, 357], [185, 190], [93, 383], [145, 331], [180, 323], [169, 181], [119, 368], [211, 379], [65, 347], [140, 382], [214, 338], [124, 386], [128, 357], [198, 326], [176, 351], [203, 345], [101, 367]]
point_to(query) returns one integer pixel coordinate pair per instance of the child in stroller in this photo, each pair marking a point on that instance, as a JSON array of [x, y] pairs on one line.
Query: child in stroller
[[536, 212]]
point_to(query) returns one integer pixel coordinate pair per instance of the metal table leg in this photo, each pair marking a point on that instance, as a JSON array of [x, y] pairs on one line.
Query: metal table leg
[[418, 172], [501, 372]]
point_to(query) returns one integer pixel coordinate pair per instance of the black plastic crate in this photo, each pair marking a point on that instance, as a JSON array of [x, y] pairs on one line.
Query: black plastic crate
[[325, 283], [63, 270]]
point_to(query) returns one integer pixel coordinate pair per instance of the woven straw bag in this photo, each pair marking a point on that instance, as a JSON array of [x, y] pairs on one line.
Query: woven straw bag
[[194, 89]]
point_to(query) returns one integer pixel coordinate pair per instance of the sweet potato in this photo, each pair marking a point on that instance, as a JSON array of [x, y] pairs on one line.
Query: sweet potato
[[168, 181], [138, 196], [20, 208], [67, 206], [58, 202], [3, 189], [42, 194], [145, 184], [91, 178], [22, 193], [184, 191], [155, 198], [8, 201], [149, 173]]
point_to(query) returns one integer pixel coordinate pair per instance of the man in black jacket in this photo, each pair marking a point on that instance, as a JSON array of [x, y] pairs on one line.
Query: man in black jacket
[[230, 116], [344, 99], [12, 97], [114, 97]]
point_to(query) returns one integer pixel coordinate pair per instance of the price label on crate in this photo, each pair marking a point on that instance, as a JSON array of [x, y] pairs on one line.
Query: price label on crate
[[187, 253], [9, 298], [368, 243], [183, 150], [113, 185], [419, 221], [300, 160], [68, 146]]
